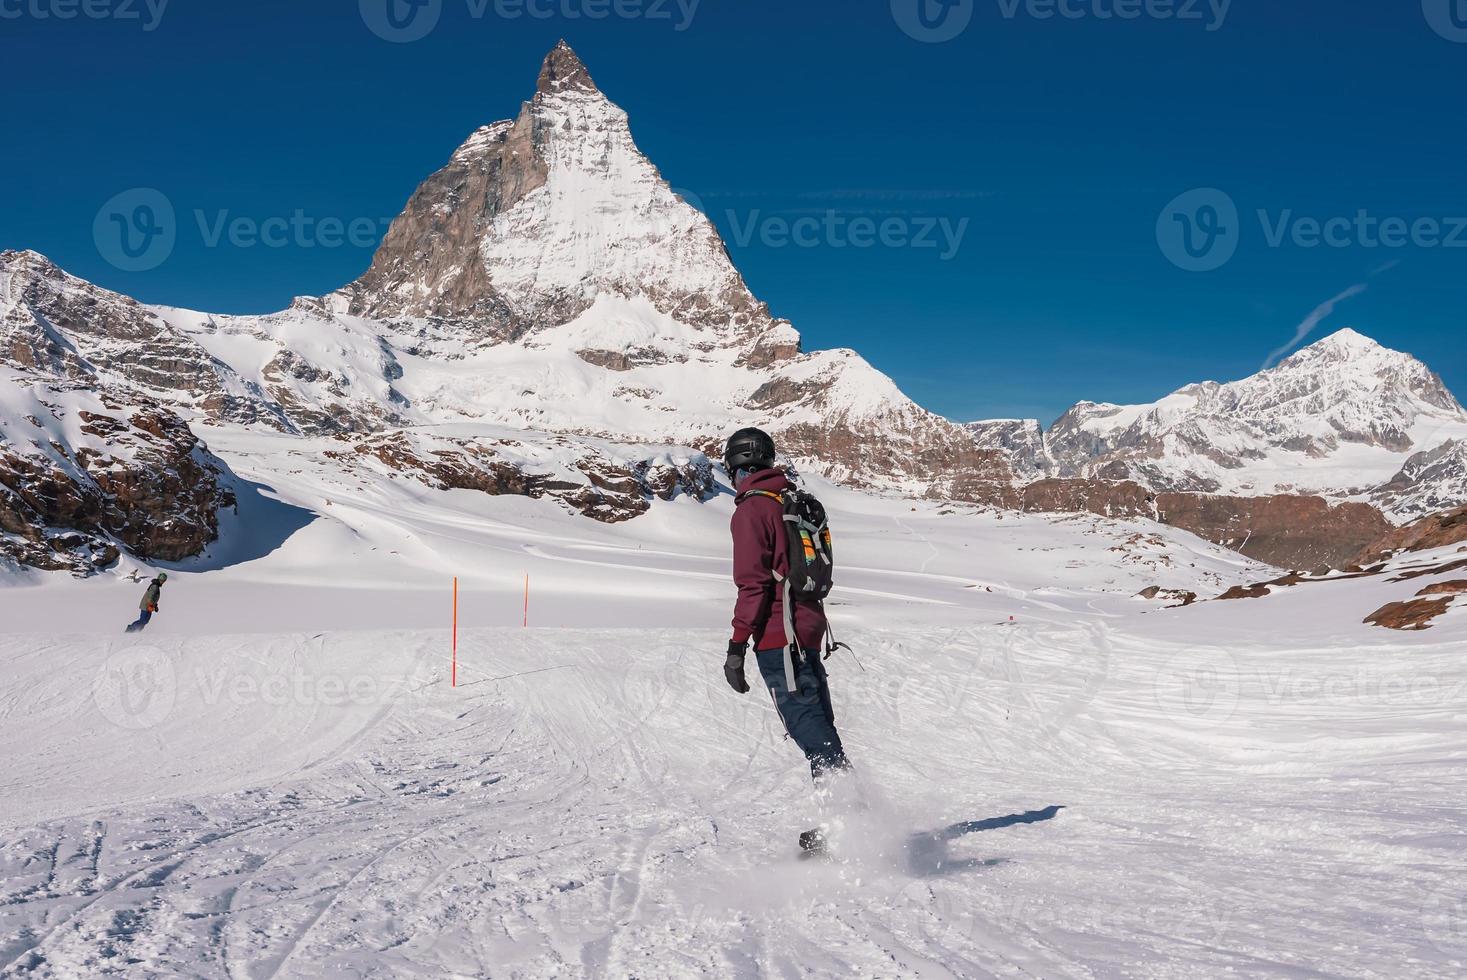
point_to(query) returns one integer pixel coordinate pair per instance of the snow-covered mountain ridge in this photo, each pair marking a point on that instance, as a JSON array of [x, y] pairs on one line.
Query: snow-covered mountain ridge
[[547, 277], [1344, 417], [548, 318]]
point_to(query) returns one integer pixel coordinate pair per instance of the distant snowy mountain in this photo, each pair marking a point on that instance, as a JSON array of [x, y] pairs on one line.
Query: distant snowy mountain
[[1022, 440], [1340, 418]]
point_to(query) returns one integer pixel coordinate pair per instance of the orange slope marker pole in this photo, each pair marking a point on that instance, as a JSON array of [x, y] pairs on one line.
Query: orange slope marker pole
[[455, 631]]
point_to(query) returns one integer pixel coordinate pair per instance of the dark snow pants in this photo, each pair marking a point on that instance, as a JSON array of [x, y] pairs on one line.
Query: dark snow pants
[[142, 621], [807, 714]]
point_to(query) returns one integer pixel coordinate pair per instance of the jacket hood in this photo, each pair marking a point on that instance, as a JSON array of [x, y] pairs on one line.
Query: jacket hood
[[772, 480]]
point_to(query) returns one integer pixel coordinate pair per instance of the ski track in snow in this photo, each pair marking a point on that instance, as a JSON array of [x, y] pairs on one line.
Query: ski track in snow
[[626, 816]]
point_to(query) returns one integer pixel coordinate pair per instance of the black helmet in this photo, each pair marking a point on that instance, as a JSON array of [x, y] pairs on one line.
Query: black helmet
[[748, 449]]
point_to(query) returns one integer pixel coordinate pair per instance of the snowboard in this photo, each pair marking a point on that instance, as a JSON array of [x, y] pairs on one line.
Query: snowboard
[[813, 844]]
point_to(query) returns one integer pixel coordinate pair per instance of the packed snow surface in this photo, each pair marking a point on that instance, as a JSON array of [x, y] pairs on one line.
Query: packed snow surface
[[279, 779]]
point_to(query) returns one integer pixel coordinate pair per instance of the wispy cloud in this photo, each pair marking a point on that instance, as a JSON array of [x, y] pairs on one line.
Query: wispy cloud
[[1313, 320], [1323, 312]]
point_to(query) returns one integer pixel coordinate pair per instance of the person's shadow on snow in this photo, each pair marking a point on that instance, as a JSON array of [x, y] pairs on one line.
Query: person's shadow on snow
[[927, 855]]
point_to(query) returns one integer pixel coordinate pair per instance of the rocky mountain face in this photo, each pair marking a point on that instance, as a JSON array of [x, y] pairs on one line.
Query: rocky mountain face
[[534, 219], [610, 483], [1293, 531], [1423, 534], [82, 475], [1430, 481], [1021, 441], [1344, 417], [54, 324]]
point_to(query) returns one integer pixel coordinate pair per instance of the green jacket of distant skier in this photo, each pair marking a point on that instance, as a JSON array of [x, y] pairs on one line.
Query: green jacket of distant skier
[[151, 597]]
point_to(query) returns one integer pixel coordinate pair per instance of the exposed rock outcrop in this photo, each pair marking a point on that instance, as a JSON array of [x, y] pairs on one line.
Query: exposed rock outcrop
[[1412, 614], [1281, 530], [1178, 597], [1287, 531], [607, 482], [1432, 531], [82, 477]]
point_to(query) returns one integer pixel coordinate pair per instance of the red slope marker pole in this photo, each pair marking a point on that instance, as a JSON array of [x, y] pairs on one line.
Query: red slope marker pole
[[455, 631]]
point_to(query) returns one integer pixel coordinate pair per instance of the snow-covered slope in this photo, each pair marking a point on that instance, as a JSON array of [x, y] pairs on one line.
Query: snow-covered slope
[[1340, 417], [278, 778]]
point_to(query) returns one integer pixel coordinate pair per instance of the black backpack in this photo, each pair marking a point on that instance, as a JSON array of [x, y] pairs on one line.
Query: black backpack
[[811, 560]]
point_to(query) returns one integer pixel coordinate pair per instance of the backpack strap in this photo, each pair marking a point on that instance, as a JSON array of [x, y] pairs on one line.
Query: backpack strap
[[759, 493], [812, 536], [790, 639]]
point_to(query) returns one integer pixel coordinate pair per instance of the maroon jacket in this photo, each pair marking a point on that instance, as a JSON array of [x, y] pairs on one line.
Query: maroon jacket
[[760, 548]]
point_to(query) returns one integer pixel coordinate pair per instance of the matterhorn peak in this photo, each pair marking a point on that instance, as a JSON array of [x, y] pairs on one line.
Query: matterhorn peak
[[536, 219], [564, 71]]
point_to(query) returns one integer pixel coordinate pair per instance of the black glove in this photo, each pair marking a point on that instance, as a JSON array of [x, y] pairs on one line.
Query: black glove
[[733, 668]]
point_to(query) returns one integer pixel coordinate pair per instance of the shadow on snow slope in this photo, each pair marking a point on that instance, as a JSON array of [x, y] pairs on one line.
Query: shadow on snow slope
[[927, 855]]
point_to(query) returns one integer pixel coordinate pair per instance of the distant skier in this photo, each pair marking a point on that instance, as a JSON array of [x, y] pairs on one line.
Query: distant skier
[[149, 605], [762, 567]]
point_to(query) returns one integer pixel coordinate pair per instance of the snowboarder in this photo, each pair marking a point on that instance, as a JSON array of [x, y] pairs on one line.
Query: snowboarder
[[149, 605], [761, 561]]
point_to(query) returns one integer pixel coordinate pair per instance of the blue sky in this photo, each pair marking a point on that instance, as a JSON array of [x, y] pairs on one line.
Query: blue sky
[[1055, 144]]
